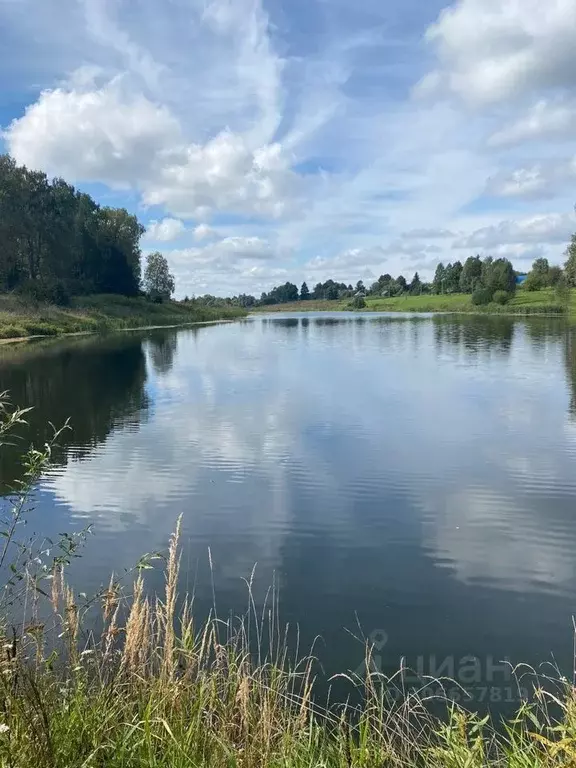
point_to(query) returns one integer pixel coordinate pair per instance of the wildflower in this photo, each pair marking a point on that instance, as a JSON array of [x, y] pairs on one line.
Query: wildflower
[[4, 728]]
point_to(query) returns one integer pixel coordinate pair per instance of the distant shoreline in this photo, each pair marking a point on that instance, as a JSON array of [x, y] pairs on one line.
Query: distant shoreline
[[523, 303]]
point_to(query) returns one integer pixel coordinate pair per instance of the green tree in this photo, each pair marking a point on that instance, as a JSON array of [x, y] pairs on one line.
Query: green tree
[[158, 282], [539, 275], [401, 282], [471, 274], [485, 271], [541, 267], [360, 286], [438, 281], [498, 275], [416, 284], [55, 240], [452, 276], [281, 294], [570, 265], [331, 293], [304, 292], [562, 290], [533, 282], [555, 275]]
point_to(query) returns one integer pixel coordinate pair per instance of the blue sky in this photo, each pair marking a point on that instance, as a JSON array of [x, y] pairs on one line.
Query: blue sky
[[267, 140]]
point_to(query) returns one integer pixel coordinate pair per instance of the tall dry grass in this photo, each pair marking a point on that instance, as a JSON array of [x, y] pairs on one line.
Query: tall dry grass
[[155, 690]]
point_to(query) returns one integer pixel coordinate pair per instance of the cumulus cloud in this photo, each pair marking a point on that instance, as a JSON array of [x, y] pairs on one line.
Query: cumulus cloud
[[347, 266], [226, 252], [492, 50], [165, 230], [550, 228], [228, 266], [224, 174], [216, 116], [112, 136], [107, 134], [134, 129]]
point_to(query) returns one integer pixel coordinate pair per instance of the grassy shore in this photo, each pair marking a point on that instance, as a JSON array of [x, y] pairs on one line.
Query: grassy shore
[[157, 690], [88, 314], [522, 303]]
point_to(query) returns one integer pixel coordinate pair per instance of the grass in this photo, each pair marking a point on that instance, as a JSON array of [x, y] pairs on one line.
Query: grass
[[156, 690], [101, 313], [523, 303]]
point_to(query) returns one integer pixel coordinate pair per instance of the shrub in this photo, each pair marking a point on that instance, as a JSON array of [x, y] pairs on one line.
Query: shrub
[[357, 302], [534, 282], [501, 297], [41, 329], [46, 291], [544, 309], [12, 332], [481, 297]]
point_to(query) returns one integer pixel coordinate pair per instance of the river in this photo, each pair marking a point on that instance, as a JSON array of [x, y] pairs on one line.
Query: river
[[410, 479]]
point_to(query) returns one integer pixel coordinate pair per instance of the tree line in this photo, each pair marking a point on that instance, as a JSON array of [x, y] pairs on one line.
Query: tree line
[[56, 241], [480, 277], [485, 279]]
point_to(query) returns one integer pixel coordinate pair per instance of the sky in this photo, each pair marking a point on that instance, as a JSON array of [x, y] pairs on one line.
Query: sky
[[261, 141]]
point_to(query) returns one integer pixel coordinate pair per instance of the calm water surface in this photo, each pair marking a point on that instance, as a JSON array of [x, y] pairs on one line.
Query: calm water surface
[[412, 476]]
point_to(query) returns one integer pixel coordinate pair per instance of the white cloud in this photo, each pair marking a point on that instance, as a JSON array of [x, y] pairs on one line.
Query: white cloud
[[515, 251], [490, 50], [112, 136], [427, 234], [224, 174], [229, 266], [203, 232], [220, 261], [165, 230], [222, 118], [135, 130], [108, 134], [549, 228], [235, 248], [545, 119], [539, 181]]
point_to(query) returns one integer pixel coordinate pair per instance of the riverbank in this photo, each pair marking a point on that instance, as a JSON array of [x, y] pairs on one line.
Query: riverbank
[[101, 313], [157, 689], [542, 302]]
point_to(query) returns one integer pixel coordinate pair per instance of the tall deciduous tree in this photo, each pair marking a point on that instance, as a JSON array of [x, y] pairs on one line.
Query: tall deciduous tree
[[54, 237], [539, 276], [498, 275], [570, 265], [158, 282], [471, 274]]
